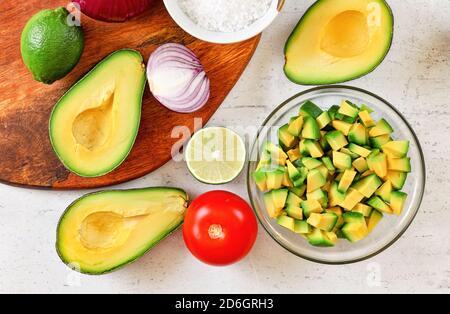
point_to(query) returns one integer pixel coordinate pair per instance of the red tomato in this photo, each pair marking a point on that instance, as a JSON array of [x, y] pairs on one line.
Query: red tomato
[[219, 228]]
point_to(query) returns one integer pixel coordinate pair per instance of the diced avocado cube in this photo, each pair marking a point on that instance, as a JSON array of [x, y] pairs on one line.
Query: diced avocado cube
[[293, 172], [338, 211], [381, 128], [398, 200], [297, 175], [333, 111], [397, 149], [294, 211], [311, 163], [309, 109], [319, 195], [323, 170], [353, 217], [352, 198], [287, 222], [342, 126], [368, 185], [287, 139], [299, 191], [399, 164], [328, 164], [379, 141], [342, 161], [374, 219], [346, 180], [397, 179], [264, 161], [319, 238], [360, 164], [287, 182], [260, 179], [275, 201], [366, 119], [280, 197], [355, 232], [310, 129], [293, 199], [325, 222], [336, 139], [277, 155], [361, 151], [274, 178], [334, 196], [384, 191], [348, 109], [311, 206], [323, 120], [378, 164], [315, 180], [363, 209], [314, 148], [302, 227], [295, 126], [378, 204], [302, 148], [358, 134], [294, 154]]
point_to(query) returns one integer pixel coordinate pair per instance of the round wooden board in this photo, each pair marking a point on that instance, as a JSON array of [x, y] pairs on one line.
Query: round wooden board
[[26, 156]]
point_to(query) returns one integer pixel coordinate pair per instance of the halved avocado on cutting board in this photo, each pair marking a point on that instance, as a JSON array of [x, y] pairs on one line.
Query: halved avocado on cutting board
[[104, 231], [339, 40], [94, 125]]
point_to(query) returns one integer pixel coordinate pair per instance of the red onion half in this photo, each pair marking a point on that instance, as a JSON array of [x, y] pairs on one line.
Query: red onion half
[[113, 10], [177, 78]]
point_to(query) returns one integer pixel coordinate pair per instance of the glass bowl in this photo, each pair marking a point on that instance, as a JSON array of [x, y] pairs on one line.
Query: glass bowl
[[390, 228]]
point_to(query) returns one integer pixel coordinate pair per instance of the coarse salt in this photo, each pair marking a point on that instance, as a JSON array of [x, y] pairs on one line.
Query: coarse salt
[[225, 15]]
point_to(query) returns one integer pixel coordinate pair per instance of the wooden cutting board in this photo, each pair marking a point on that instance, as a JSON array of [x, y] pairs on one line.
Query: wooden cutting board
[[26, 157]]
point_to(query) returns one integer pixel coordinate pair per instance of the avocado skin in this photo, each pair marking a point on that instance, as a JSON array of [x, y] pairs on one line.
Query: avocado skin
[[139, 254], [328, 81]]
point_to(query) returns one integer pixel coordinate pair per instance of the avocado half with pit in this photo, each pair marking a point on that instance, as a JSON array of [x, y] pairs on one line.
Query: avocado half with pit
[[339, 40], [104, 231], [93, 127]]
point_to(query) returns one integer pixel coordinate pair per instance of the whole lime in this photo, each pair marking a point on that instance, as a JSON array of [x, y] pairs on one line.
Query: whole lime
[[51, 46]]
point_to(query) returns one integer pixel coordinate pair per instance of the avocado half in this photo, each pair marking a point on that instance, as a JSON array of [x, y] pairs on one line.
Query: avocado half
[[104, 231], [339, 40], [93, 127]]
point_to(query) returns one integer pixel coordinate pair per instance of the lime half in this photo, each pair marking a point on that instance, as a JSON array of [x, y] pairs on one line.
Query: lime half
[[215, 155]]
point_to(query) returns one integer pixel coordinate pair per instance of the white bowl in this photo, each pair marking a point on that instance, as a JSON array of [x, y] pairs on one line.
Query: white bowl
[[220, 37]]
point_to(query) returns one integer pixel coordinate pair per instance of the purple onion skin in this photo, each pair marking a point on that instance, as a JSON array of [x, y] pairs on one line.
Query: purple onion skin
[[113, 10]]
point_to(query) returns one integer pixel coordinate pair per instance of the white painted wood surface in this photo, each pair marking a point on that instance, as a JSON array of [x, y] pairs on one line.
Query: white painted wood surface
[[415, 77]]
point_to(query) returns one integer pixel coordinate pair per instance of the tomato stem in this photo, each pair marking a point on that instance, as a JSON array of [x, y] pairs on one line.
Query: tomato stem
[[215, 231]]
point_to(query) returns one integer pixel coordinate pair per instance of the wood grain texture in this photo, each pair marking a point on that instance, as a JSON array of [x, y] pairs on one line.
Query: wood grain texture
[[26, 157]]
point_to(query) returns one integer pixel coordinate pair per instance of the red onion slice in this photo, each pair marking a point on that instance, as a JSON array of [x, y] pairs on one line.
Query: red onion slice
[[177, 79], [113, 10]]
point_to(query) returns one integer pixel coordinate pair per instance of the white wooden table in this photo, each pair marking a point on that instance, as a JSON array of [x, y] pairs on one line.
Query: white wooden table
[[415, 77]]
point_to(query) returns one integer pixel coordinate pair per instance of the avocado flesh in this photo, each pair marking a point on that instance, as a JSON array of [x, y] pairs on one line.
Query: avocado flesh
[[94, 125], [339, 40], [104, 231]]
